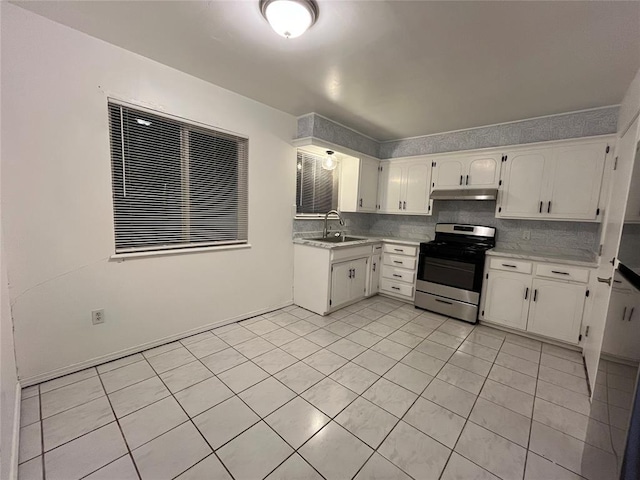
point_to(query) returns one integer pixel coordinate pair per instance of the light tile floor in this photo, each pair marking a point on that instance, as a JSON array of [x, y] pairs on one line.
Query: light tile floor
[[376, 390]]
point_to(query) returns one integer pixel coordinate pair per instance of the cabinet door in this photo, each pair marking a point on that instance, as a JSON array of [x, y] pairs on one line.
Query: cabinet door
[[523, 184], [632, 214], [575, 177], [417, 176], [340, 283], [374, 275], [393, 188], [448, 173], [368, 185], [507, 299], [359, 278], [556, 309], [619, 338], [483, 171]]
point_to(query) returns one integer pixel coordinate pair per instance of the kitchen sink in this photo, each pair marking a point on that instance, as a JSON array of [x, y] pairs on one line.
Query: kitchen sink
[[339, 239]]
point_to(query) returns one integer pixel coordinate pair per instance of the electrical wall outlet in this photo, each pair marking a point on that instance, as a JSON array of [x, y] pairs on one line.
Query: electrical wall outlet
[[97, 316], [526, 234]]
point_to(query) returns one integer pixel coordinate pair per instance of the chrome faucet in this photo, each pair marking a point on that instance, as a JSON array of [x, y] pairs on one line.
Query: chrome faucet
[[326, 219]]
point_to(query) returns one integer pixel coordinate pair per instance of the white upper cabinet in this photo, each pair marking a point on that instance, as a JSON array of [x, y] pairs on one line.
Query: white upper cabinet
[[574, 184], [448, 173], [473, 170], [553, 182], [523, 184], [416, 188], [358, 184], [404, 187]]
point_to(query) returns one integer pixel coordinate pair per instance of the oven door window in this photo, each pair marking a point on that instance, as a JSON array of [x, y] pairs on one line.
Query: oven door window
[[452, 273]]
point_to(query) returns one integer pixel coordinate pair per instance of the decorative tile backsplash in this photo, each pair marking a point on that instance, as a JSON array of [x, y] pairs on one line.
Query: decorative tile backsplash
[[314, 125], [572, 125], [544, 234], [587, 123]]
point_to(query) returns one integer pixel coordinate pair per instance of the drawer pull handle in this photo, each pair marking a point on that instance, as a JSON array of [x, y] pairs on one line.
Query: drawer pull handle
[[398, 250], [559, 272], [396, 288], [605, 280], [526, 293], [397, 276], [509, 265], [624, 313], [398, 261], [443, 301], [631, 314]]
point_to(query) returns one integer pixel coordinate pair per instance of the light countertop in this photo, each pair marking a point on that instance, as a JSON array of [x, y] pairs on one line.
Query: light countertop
[[578, 257], [364, 240]]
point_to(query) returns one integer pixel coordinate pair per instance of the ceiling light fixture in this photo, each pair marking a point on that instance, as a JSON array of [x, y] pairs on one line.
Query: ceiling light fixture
[[330, 162], [289, 18]]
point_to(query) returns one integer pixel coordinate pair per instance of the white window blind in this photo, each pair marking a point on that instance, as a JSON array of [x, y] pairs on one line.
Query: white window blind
[[316, 188], [176, 185]]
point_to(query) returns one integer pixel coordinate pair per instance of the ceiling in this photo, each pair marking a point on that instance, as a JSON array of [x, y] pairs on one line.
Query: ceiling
[[389, 69]]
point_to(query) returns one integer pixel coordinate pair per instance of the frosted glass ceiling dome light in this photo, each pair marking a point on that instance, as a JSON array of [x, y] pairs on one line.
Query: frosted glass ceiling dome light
[[330, 162], [289, 18]]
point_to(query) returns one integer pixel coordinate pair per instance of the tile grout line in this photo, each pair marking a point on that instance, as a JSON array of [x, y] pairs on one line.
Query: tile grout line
[[126, 443]]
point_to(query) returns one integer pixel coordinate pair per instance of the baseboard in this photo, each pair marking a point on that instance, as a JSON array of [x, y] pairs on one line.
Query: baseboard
[[15, 437], [60, 372], [533, 336]]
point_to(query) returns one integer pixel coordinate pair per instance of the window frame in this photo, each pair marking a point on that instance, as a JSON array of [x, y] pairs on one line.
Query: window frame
[[192, 247], [335, 189]]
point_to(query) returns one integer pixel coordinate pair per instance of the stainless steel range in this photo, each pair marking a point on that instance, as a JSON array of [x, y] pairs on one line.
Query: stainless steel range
[[450, 270]]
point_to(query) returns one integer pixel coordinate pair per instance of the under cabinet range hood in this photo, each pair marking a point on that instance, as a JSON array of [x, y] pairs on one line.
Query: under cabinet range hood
[[465, 194]]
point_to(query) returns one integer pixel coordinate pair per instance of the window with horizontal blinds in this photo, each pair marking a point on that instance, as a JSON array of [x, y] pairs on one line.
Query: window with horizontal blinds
[[176, 185], [316, 188]]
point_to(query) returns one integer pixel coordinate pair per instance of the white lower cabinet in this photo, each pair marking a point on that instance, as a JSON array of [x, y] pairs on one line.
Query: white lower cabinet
[[507, 299], [348, 281], [374, 275], [530, 302], [622, 334], [556, 309], [399, 265]]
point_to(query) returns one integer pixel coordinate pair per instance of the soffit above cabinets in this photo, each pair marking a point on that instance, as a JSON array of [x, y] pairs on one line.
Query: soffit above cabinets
[[388, 69]]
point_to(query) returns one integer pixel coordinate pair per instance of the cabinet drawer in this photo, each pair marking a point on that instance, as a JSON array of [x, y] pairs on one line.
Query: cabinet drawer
[[396, 288], [562, 272], [399, 261], [398, 274], [400, 249], [509, 265]]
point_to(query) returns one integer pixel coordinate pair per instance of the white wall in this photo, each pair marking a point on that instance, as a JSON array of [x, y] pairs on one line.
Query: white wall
[[58, 219], [8, 373]]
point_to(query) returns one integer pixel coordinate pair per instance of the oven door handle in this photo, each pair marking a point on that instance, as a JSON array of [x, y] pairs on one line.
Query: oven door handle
[[444, 301]]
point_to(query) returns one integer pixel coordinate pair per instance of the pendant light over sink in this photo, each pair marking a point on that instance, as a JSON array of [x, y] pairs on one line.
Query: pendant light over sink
[[330, 162], [289, 18]]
